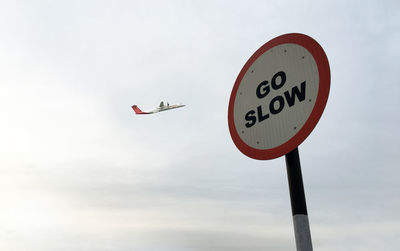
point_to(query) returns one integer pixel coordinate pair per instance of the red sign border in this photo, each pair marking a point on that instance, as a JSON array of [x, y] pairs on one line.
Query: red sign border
[[322, 97]]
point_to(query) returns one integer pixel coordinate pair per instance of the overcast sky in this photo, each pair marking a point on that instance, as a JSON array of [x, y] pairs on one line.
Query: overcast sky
[[79, 171]]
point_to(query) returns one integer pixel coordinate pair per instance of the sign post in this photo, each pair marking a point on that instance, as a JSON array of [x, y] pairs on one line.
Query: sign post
[[298, 201], [276, 102]]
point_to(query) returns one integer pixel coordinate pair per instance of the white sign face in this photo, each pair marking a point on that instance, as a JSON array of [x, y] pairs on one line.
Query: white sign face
[[279, 96], [281, 85]]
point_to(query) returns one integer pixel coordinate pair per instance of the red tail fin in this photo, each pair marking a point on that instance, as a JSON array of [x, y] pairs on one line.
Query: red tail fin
[[137, 110]]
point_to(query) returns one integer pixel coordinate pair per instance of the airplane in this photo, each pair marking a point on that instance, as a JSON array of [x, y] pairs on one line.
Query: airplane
[[162, 107]]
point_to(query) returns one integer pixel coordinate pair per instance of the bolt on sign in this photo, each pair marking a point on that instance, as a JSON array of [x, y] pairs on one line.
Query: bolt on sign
[[279, 96]]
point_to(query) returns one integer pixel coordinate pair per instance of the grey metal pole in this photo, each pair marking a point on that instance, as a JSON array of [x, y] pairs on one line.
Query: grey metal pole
[[298, 201]]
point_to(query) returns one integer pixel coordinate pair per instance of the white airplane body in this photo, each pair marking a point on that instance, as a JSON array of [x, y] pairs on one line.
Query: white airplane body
[[162, 107]]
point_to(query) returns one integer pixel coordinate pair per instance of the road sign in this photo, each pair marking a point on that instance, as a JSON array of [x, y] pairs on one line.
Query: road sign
[[279, 96]]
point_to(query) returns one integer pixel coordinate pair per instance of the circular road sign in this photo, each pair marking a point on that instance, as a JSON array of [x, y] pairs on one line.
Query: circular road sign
[[279, 96]]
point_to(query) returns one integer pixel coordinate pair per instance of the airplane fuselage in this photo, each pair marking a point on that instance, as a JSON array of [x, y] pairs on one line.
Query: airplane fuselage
[[160, 108]]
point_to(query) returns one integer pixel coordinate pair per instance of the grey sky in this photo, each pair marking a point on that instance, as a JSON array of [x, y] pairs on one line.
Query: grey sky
[[79, 171]]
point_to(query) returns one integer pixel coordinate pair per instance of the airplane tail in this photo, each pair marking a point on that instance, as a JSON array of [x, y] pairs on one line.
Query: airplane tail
[[137, 110]]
